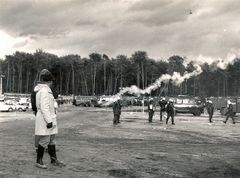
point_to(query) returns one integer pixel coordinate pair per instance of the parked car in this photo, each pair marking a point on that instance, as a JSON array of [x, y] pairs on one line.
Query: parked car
[[7, 107], [21, 106], [188, 105], [85, 101]]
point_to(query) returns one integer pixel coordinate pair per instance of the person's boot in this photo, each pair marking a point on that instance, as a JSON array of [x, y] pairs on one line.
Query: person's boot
[[53, 156], [149, 120], [40, 153], [115, 120]]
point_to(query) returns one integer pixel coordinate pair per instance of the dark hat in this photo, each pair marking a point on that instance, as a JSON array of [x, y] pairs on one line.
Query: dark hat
[[45, 76]]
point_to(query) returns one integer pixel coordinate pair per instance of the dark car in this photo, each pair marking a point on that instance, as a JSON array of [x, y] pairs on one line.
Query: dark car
[[85, 101], [188, 105]]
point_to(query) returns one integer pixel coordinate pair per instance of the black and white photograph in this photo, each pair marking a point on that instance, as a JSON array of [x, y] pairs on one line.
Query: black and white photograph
[[119, 89]]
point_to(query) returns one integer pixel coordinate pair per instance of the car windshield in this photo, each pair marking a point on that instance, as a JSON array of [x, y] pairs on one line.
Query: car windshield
[[185, 101]]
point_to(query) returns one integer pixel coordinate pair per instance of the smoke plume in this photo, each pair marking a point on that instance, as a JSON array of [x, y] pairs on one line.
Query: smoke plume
[[176, 78]]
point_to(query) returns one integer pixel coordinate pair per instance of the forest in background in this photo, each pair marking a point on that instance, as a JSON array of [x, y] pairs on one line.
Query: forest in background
[[99, 74]]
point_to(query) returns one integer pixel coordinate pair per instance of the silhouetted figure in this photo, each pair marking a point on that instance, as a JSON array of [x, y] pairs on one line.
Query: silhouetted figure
[[170, 111], [210, 110], [162, 104], [151, 109], [229, 113], [117, 111]]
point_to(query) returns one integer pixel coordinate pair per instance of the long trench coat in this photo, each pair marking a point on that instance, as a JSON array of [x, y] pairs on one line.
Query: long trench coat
[[46, 112]]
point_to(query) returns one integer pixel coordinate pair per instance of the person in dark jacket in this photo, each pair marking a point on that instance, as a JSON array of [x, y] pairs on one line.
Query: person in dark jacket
[[162, 104], [170, 111], [151, 109], [230, 113], [210, 110], [117, 111]]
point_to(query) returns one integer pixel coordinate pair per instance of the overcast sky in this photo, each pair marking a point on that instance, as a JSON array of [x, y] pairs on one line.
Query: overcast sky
[[162, 28]]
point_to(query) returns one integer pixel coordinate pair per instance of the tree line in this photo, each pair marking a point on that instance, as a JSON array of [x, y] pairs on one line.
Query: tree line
[[99, 74]]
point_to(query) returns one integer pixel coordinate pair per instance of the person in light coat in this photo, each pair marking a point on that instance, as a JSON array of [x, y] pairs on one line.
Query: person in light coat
[[46, 119]]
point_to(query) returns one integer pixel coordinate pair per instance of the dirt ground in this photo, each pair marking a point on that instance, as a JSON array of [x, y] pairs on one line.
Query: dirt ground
[[91, 146]]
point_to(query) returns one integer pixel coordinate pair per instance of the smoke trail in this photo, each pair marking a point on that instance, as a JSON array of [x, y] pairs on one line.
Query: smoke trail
[[176, 78]]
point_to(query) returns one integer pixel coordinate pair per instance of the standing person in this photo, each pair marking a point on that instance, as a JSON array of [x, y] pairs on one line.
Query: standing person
[[210, 110], [46, 119], [162, 104], [170, 111], [34, 107], [230, 113], [117, 111], [151, 109]]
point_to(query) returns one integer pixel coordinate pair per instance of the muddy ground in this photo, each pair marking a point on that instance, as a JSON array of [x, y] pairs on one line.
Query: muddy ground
[[91, 146]]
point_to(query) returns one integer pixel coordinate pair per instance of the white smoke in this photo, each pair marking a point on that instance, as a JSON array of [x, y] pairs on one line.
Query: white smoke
[[176, 78], [219, 63]]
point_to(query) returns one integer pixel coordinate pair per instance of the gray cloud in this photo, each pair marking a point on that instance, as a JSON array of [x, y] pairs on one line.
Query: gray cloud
[[20, 44], [157, 13], [160, 27]]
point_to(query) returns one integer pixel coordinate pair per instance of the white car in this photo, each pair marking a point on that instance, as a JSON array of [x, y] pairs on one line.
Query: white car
[[21, 106], [7, 107]]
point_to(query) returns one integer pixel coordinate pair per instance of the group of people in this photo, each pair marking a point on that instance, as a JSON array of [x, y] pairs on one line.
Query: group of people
[[229, 113], [168, 108], [165, 106]]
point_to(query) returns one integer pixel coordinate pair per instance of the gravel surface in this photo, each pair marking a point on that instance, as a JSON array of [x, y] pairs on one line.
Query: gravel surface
[[91, 146]]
